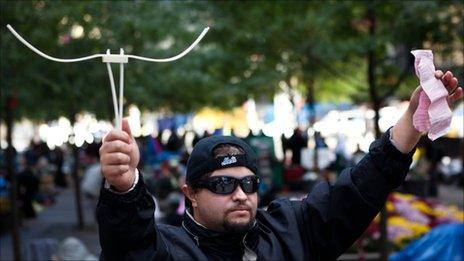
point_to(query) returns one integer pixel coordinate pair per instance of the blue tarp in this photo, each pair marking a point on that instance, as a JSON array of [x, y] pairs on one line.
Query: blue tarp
[[443, 243], [173, 122]]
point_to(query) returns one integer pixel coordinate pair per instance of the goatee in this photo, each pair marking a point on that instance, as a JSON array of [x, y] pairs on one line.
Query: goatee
[[238, 228]]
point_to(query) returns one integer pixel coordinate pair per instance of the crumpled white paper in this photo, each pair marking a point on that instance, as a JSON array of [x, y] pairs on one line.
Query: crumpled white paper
[[433, 113]]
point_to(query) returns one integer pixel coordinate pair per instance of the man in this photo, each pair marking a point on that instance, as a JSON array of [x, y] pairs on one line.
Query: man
[[222, 221]]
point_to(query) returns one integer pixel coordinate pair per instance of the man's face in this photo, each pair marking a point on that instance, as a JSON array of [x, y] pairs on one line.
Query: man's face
[[234, 212]]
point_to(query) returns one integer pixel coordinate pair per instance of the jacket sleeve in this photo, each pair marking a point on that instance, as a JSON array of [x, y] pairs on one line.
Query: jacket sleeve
[[332, 217], [127, 226]]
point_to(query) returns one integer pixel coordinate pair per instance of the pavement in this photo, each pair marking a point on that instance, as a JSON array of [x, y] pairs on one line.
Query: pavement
[[59, 221], [56, 222]]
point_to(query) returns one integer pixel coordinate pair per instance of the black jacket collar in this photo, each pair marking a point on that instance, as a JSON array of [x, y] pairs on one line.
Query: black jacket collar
[[222, 245]]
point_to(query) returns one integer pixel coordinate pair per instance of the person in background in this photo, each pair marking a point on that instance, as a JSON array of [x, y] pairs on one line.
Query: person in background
[[73, 249], [295, 143], [28, 188]]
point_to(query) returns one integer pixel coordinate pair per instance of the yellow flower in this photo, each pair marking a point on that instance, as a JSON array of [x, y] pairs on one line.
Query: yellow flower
[[390, 206], [459, 216], [397, 221], [422, 207], [417, 154], [406, 197], [419, 229], [439, 213], [450, 212], [416, 228]]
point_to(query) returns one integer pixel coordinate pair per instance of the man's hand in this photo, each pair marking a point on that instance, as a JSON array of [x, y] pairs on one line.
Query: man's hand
[[451, 84], [403, 133], [119, 156]]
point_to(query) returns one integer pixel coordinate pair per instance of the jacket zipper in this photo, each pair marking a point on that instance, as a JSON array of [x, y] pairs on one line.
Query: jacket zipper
[[244, 242], [251, 254], [193, 235]]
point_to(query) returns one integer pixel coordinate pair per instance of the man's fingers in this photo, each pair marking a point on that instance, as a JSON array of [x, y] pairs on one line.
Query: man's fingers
[[115, 159], [453, 84], [447, 78], [126, 128], [117, 135], [438, 74], [115, 146], [112, 171], [118, 154], [457, 94]]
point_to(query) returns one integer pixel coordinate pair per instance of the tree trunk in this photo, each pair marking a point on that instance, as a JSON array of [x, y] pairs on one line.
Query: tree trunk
[[376, 106], [312, 119], [10, 153], [76, 179], [73, 98]]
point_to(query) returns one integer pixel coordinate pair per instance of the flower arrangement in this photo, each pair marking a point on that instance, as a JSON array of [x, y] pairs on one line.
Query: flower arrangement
[[410, 217]]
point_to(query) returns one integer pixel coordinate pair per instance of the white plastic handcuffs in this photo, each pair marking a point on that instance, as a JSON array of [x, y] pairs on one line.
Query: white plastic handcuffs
[[108, 58]]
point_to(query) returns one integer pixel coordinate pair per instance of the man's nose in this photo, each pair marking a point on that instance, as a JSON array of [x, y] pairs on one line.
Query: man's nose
[[239, 195]]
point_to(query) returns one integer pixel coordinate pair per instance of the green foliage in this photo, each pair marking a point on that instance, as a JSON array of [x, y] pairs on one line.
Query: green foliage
[[251, 47]]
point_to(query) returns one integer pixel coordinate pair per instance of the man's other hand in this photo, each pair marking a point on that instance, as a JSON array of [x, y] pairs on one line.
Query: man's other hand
[[404, 135], [451, 84]]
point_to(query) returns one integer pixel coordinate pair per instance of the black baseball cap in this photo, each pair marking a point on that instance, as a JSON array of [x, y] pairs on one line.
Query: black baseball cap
[[202, 160]]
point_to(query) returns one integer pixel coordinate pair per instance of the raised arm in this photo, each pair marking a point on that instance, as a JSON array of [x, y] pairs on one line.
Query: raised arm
[[125, 210], [333, 216]]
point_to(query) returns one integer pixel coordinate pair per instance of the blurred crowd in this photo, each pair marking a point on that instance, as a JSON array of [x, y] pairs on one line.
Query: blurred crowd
[[41, 170]]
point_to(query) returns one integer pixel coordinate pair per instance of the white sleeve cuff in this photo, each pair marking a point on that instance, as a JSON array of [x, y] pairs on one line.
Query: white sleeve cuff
[[136, 180], [391, 138]]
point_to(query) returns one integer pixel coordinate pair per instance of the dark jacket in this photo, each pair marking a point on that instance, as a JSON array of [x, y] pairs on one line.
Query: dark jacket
[[320, 227]]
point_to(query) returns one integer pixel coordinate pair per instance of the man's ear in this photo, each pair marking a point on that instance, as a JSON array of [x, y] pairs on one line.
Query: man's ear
[[190, 193]]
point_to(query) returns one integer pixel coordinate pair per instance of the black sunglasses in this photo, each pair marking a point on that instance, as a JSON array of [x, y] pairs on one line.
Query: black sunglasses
[[225, 185]]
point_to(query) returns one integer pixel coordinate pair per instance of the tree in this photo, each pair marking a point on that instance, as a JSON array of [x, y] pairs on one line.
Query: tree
[[389, 64], [323, 49]]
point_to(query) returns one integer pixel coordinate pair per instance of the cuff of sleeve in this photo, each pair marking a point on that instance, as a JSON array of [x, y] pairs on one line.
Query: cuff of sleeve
[[136, 180], [391, 162], [387, 145], [391, 138], [126, 198]]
